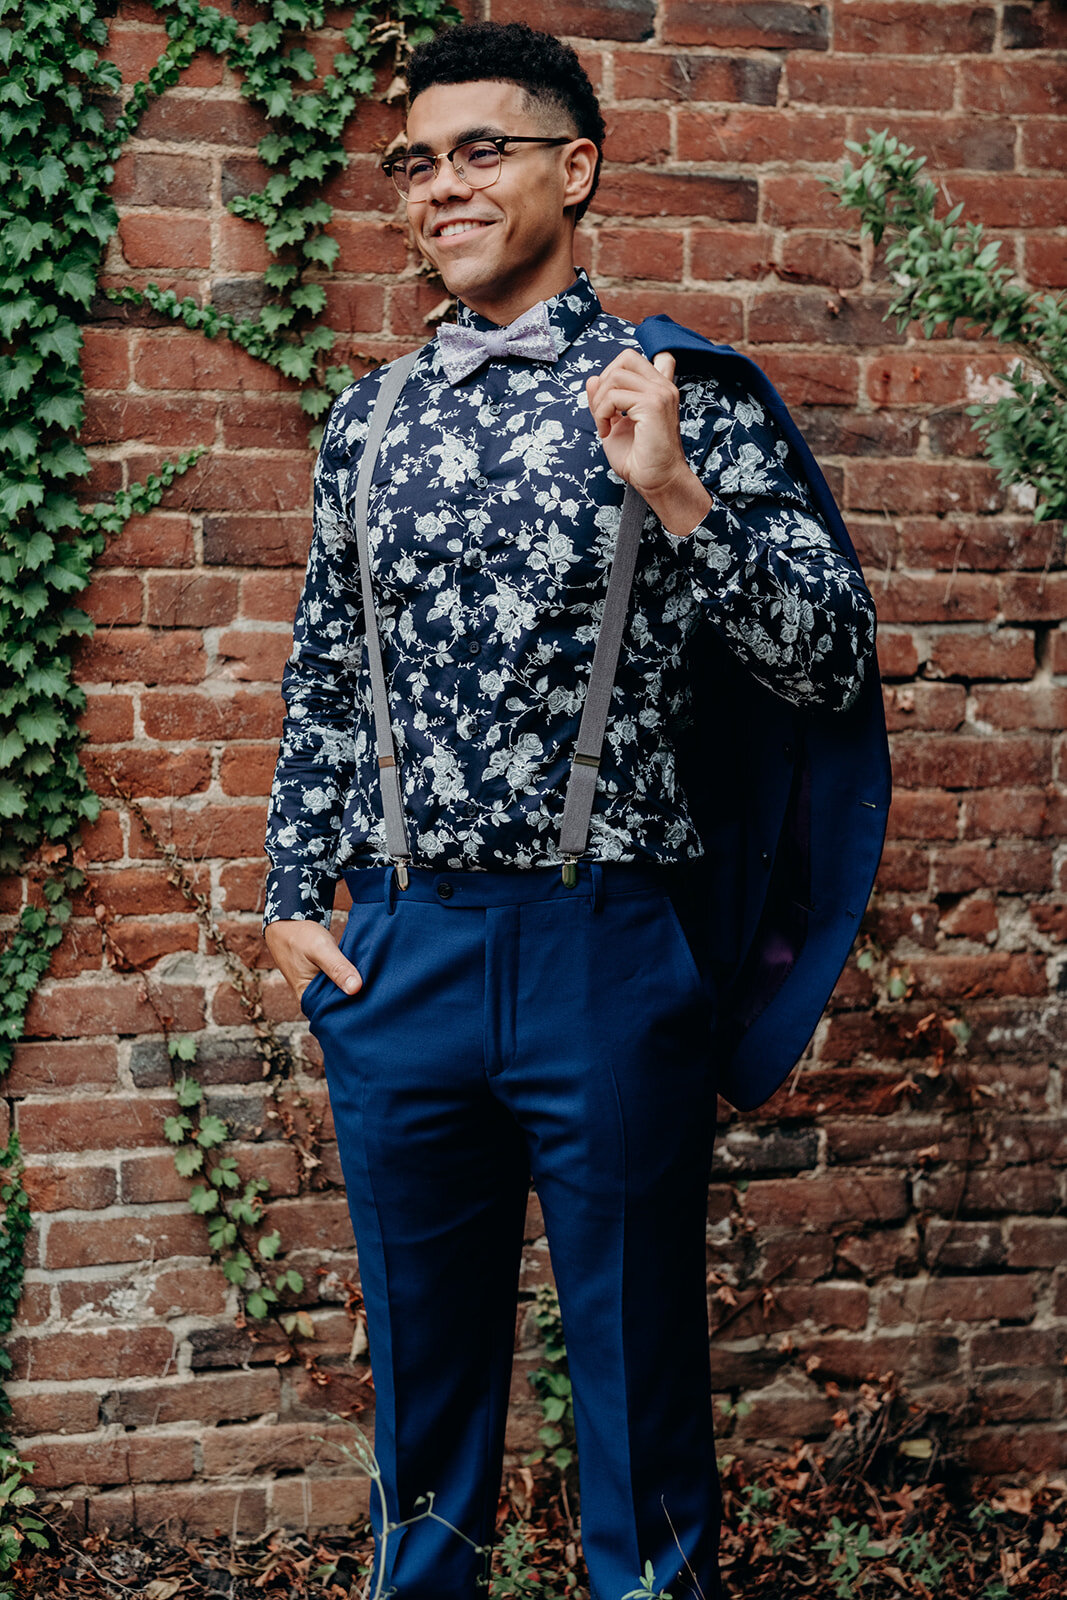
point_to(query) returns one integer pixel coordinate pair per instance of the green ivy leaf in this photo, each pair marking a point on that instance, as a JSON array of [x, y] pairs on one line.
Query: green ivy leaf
[[212, 1131]]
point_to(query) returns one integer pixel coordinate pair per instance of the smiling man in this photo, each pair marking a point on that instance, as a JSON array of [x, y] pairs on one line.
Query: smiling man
[[541, 934]]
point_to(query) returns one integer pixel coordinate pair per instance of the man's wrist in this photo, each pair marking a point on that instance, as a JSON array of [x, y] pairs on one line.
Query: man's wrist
[[682, 506]]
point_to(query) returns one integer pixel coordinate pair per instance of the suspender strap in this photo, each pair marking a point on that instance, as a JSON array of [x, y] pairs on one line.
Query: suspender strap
[[581, 786], [396, 833]]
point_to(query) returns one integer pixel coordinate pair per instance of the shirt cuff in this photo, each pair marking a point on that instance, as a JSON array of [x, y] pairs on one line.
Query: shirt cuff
[[299, 894]]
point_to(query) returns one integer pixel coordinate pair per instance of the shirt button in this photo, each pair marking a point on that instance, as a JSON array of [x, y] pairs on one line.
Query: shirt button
[[765, 857], [474, 558], [482, 483], [473, 647], [469, 808], [444, 890]]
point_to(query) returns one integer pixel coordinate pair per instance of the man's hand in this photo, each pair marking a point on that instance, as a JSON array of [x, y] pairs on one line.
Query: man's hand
[[635, 406], [300, 949]]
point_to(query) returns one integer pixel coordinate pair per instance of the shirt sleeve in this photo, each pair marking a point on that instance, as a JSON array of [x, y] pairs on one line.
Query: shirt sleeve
[[781, 594], [323, 719]]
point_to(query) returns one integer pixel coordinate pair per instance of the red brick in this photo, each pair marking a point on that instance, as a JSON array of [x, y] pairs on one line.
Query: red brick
[[203, 120], [718, 315], [907, 85], [799, 316], [584, 19], [144, 772], [925, 705], [969, 977], [144, 943], [322, 1503], [1033, 705], [964, 597], [170, 359], [937, 487], [150, 419], [98, 1353], [676, 194], [817, 258], [751, 138], [260, 422], [105, 359], [1057, 650], [1034, 26], [975, 918], [1001, 653], [1046, 261], [911, 378], [130, 655], [1037, 1242], [107, 719], [762, 24], [103, 839], [355, 308], [243, 888], [903, 28], [969, 1299], [808, 378], [640, 253], [719, 254], [114, 1005], [255, 655], [647, 75], [148, 178], [1032, 598], [242, 541], [58, 1463], [212, 1512], [161, 539], [248, 769], [839, 1305], [898, 656], [113, 598], [1044, 144], [165, 241], [201, 831], [82, 1122], [1051, 920], [1014, 868], [922, 814], [270, 596], [88, 1242], [233, 714], [256, 1449], [978, 144], [242, 245], [193, 600], [823, 1201], [70, 1188], [133, 891], [222, 482], [41, 1068], [1012, 201], [1033, 85], [278, 1003], [207, 1399], [638, 136], [69, 1411]]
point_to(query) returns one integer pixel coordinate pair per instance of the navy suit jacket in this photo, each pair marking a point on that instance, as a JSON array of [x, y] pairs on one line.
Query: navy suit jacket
[[791, 806]]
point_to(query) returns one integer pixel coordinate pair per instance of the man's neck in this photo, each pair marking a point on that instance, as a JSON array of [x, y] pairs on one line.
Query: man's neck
[[504, 309]]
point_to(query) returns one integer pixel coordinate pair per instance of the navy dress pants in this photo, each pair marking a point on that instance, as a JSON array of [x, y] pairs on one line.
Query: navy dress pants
[[509, 1027]]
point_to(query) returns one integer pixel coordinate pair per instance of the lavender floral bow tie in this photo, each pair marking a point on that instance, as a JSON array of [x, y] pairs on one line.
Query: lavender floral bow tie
[[463, 349]]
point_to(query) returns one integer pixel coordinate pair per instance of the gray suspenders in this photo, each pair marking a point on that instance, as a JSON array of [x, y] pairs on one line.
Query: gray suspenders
[[581, 786]]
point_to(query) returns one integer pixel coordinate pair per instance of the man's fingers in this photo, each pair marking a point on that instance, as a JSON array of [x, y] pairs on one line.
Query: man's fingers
[[664, 363], [343, 973], [301, 949]]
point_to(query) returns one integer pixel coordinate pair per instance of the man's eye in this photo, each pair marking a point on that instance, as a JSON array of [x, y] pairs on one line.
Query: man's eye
[[481, 155], [417, 168]]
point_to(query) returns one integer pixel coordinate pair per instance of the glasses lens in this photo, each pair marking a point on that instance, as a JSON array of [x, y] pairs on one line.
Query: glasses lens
[[477, 163]]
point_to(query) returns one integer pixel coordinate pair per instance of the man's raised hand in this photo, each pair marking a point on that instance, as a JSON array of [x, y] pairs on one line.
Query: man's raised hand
[[634, 404], [300, 949]]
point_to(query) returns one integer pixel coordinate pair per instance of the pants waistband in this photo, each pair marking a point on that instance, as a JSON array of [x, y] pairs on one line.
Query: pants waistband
[[595, 880]]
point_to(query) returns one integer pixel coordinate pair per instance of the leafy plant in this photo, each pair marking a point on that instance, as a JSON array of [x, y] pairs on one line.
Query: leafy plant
[[848, 1546], [552, 1385], [646, 1589], [18, 1525], [946, 273]]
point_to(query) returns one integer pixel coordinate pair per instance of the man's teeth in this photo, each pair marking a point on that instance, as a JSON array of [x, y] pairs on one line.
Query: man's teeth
[[458, 227]]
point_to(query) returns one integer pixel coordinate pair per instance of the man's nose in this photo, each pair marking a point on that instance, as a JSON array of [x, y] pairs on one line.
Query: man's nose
[[447, 182]]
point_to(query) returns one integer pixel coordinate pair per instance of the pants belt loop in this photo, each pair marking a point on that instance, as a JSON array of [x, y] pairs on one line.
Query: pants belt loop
[[597, 875], [390, 889]]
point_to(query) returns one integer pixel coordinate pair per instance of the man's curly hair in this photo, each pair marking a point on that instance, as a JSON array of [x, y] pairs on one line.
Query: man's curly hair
[[510, 52]]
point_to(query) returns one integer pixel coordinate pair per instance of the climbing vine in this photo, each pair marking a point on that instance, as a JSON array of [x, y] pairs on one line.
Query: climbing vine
[[60, 137]]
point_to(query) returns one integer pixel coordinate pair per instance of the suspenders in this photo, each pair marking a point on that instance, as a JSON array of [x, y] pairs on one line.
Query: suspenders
[[581, 785]]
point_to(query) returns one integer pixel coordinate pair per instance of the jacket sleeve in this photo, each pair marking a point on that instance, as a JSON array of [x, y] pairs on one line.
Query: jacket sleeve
[[323, 707], [781, 594]]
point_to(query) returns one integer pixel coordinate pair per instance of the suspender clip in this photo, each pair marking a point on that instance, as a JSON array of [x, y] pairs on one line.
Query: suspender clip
[[570, 872], [401, 870]]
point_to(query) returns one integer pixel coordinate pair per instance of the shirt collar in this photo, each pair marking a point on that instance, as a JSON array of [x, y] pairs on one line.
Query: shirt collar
[[570, 312]]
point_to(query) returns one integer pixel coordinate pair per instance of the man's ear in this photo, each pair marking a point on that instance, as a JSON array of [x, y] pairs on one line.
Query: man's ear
[[579, 168]]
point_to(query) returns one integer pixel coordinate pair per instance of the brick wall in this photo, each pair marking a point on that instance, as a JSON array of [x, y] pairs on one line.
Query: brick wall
[[894, 1212]]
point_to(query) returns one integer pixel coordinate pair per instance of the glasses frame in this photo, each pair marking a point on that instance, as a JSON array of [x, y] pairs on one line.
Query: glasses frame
[[391, 164]]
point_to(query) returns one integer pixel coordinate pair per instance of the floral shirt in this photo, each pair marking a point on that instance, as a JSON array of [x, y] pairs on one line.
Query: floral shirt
[[493, 517]]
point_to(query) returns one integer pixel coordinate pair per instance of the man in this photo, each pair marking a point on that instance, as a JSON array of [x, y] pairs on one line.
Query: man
[[497, 1009]]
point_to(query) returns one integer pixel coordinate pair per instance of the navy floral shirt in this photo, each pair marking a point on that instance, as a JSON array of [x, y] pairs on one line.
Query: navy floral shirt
[[493, 518]]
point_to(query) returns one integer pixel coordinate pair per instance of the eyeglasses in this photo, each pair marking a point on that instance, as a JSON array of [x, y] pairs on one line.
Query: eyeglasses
[[476, 163]]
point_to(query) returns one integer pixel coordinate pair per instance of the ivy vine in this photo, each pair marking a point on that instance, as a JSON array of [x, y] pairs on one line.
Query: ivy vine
[[56, 220]]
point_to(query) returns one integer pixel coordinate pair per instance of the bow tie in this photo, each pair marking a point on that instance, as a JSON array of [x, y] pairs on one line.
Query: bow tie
[[463, 349]]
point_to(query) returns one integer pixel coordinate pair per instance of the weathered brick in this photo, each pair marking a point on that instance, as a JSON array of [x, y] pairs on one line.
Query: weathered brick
[[997, 653], [968, 1299]]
